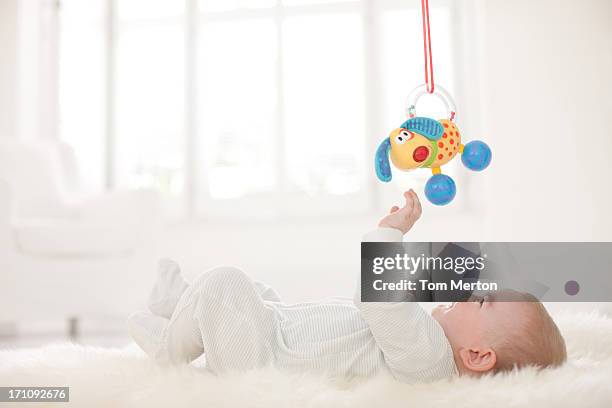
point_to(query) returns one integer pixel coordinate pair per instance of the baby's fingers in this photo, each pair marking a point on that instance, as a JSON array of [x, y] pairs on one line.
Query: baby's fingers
[[409, 196], [417, 210], [393, 209]]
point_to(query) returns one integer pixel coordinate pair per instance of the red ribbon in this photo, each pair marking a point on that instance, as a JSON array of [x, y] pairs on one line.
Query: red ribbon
[[429, 74]]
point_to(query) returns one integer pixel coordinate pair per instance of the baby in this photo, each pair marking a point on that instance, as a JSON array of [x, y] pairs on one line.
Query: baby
[[241, 324]]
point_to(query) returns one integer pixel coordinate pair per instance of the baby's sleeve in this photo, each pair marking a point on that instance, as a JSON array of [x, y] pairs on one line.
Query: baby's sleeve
[[412, 342]]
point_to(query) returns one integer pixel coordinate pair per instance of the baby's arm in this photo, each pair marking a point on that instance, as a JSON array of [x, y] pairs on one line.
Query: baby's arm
[[403, 219], [413, 343]]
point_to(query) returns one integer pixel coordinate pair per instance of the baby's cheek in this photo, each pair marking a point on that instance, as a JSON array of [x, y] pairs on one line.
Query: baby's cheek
[[463, 327]]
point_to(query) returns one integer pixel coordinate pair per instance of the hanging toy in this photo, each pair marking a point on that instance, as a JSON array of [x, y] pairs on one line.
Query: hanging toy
[[422, 142]]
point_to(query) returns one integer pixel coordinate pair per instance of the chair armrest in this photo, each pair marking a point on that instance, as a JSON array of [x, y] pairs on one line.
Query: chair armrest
[[7, 242], [6, 203], [134, 208], [69, 168]]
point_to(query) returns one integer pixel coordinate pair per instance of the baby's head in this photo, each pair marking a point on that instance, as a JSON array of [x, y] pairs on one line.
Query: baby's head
[[500, 331]]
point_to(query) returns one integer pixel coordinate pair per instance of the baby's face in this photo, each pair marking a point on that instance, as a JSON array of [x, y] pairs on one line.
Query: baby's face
[[470, 324]]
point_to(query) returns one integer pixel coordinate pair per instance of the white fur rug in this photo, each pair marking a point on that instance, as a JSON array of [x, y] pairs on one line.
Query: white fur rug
[[125, 378]]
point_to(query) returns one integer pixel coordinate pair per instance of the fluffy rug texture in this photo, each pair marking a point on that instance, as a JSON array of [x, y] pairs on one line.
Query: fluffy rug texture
[[126, 378]]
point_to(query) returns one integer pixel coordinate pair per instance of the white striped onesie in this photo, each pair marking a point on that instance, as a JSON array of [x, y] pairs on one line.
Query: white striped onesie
[[241, 324]]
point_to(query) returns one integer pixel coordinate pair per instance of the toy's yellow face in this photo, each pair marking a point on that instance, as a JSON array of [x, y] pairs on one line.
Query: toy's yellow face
[[409, 150]]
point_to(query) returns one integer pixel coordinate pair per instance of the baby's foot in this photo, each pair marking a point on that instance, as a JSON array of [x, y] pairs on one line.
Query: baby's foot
[[148, 331], [168, 289]]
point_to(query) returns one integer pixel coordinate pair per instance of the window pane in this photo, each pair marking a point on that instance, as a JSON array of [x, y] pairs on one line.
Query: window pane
[[237, 101], [82, 89], [228, 5], [149, 107], [142, 9], [324, 103]]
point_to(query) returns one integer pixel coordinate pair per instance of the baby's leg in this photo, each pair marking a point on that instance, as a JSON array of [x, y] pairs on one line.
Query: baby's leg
[[167, 290], [166, 336], [177, 340], [266, 292], [170, 286], [148, 331], [222, 314]]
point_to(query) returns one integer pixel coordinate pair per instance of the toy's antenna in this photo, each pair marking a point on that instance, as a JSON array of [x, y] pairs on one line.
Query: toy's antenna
[[429, 72]]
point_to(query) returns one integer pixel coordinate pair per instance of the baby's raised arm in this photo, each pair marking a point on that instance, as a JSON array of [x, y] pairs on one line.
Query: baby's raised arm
[[403, 218], [413, 343]]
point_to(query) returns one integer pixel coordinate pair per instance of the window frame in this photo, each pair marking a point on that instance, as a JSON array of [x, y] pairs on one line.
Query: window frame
[[195, 202]]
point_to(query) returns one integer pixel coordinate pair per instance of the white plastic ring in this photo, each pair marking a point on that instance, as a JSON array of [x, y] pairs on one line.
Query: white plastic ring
[[441, 93]]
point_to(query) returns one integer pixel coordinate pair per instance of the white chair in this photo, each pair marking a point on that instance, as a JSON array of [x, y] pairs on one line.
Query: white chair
[[64, 255]]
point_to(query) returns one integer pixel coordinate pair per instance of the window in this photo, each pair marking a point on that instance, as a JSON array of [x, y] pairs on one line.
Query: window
[[82, 87], [213, 101], [149, 95]]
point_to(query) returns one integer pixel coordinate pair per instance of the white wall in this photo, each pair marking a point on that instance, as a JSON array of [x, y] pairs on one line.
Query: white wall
[[37, 69], [302, 259], [8, 68], [28, 89], [546, 103]]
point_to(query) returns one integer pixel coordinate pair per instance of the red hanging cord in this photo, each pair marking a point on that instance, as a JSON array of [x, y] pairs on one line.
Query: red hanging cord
[[429, 72]]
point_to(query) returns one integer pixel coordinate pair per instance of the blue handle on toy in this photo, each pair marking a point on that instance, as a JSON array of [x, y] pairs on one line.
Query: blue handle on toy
[[381, 161]]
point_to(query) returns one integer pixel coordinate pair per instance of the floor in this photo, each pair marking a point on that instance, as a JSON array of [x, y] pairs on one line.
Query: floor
[[97, 339], [104, 333]]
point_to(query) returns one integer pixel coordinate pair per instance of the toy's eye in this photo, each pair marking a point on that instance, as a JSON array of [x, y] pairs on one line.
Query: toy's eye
[[403, 137]]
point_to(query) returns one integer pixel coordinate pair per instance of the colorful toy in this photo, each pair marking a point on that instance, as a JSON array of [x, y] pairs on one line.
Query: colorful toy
[[422, 142]]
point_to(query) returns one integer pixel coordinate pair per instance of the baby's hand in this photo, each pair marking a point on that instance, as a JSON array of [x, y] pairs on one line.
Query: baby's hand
[[403, 218]]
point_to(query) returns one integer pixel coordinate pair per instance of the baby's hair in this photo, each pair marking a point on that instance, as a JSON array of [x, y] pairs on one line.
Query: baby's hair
[[539, 343]]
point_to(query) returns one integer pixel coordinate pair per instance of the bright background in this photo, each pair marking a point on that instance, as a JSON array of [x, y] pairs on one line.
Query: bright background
[[257, 120]]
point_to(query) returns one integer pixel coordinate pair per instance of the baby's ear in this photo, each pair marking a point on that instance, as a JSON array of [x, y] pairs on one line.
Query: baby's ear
[[478, 361]]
